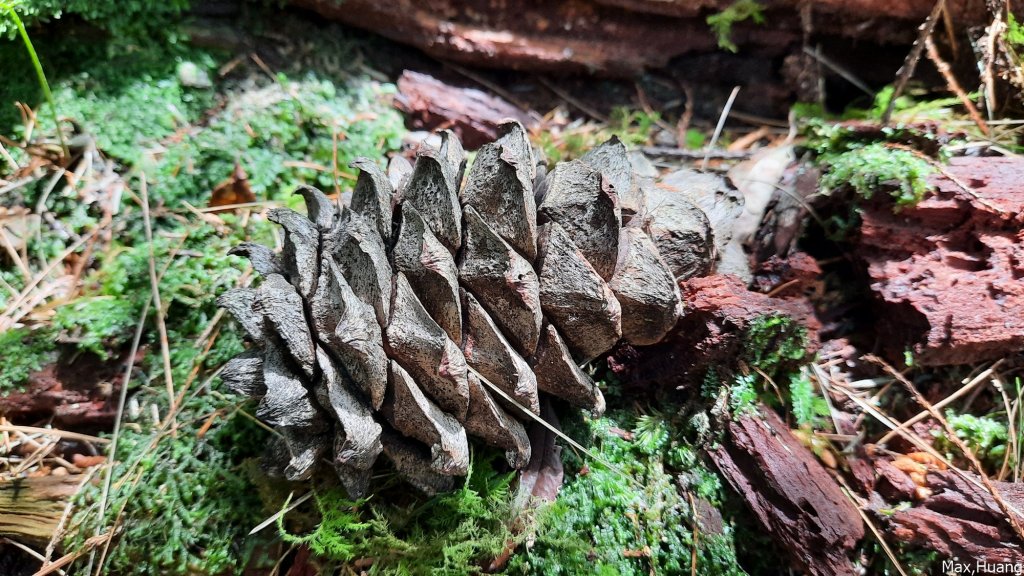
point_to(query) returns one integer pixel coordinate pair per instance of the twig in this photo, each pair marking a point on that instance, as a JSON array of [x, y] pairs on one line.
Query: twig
[[955, 439], [165, 348], [719, 127], [718, 154], [907, 70], [53, 432], [286, 509], [840, 70], [112, 453], [954, 86], [576, 103], [871, 526], [967, 387]]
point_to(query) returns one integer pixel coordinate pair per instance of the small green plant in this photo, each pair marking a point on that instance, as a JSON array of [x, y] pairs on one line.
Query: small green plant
[[986, 437], [877, 167], [808, 407], [721, 23], [775, 344], [12, 15], [24, 352]]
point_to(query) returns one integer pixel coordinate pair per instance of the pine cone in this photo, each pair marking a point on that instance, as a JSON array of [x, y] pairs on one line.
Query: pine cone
[[382, 326]]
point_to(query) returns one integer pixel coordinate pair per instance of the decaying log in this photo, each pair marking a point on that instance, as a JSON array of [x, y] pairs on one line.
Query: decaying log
[[622, 37], [792, 496], [31, 508], [574, 297], [949, 272], [78, 392], [476, 116], [961, 520], [503, 281], [583, 203]]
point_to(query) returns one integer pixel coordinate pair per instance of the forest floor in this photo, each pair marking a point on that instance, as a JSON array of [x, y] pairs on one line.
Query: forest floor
[[845, 338]]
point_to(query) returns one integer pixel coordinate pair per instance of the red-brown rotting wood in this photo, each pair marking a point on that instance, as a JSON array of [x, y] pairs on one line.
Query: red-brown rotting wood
[[791, 495], [948, 273]]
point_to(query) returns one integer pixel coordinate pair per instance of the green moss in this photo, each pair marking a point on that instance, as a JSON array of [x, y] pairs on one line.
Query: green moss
[[282, 135], [633, 127], [774, 343], [722, 22], [192, 504], [602, 523], [447, 534], [24, 352], [877, 167], [97, 324], [133, 18]]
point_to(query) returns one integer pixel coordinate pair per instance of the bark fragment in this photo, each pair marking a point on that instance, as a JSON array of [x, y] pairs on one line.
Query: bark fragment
[[584, 204], [503, 281], [574, 297], [790, 493], [475, 115], [423, 348], [644, 288], [948, 272], [430, 269], [961, 520]]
